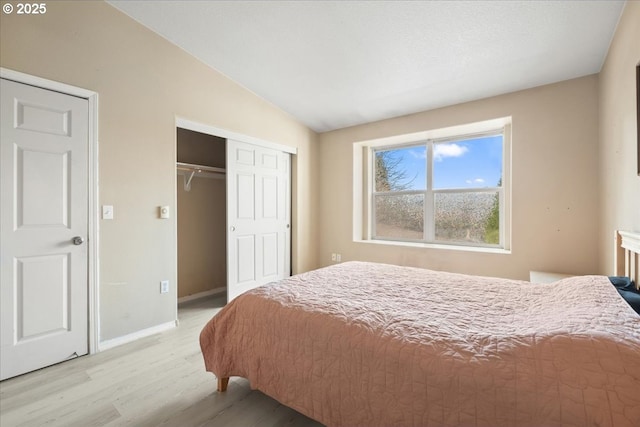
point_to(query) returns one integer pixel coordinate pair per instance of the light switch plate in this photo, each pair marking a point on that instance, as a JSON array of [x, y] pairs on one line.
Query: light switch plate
[[107, 212]]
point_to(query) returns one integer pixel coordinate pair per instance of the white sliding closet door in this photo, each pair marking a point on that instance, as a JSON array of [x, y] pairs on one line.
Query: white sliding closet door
[[258, 216]]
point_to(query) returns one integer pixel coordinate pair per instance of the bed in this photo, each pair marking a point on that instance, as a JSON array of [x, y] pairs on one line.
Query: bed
[[365, 344]]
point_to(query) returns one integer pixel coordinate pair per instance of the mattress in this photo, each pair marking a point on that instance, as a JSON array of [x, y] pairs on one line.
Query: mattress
[[365, 344]]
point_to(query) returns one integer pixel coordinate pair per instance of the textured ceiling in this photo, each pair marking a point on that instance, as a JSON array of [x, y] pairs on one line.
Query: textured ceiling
[[333, 64]]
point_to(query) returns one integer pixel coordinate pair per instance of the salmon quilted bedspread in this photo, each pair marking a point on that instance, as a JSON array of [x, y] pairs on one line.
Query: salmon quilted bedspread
[[364, 344]]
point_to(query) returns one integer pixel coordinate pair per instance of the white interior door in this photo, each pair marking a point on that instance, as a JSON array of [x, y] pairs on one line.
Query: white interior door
[[258, 218], [43, 225]]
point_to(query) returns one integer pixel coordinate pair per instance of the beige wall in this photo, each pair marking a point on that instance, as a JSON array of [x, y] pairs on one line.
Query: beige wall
[[143, 83], [202, 244], [573, 145], [554, 183], [200, 149], [619, 182], [201, 215]]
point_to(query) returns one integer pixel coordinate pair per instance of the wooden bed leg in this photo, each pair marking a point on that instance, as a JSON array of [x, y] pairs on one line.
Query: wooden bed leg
[[222, 384]]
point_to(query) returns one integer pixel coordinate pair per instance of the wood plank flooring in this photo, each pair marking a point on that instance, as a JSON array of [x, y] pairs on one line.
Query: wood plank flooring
[[156, 381]]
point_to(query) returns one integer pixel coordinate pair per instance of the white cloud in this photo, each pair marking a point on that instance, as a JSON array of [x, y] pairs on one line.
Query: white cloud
[[440, 151], [475, 181]]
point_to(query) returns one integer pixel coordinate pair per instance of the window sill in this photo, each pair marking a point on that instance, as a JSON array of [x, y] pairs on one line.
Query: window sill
[[437, 246]]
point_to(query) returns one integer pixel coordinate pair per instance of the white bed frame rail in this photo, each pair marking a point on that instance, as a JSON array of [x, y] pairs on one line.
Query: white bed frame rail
[[627, 255]]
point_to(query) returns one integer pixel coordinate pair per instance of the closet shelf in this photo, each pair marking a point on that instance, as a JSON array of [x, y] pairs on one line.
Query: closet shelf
[[190, 170]]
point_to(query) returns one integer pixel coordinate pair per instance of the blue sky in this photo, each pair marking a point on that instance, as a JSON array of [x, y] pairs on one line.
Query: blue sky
[[471, 163]]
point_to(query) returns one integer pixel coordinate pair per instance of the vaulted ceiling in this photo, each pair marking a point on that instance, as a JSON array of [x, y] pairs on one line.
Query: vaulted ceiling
[[333, 64]]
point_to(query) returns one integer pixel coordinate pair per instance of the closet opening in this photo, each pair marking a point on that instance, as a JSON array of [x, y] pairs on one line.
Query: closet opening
[[201, 215]]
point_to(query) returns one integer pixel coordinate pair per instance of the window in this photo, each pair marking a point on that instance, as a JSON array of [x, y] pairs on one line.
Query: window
[[445, 188]]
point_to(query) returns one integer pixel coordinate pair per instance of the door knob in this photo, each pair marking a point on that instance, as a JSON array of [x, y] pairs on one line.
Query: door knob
[[233, 228], [77, 240]]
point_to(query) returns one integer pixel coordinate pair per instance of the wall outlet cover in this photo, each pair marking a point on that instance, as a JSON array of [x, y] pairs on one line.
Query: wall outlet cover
[[164, 286]]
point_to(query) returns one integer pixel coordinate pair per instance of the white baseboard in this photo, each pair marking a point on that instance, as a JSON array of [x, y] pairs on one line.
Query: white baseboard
[[105, 345], [202, 294]]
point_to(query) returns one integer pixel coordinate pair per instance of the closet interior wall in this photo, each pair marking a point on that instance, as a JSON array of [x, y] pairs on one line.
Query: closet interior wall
[[201, 216]]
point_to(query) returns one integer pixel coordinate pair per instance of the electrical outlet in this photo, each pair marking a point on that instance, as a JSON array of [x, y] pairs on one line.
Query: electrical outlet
[[333, 257], [338, 258], [164, 286]]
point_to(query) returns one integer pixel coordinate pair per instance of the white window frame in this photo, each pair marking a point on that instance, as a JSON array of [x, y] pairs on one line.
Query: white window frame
[[364, 182]]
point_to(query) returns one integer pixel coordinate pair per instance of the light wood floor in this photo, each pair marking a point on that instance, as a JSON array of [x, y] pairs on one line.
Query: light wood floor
[[155, 381]]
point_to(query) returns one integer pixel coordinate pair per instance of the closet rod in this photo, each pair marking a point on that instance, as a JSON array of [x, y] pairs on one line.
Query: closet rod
[[189, 167], [194, 169]]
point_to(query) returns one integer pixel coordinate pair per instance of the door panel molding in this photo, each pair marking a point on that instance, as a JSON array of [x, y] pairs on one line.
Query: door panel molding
[[93, 230]]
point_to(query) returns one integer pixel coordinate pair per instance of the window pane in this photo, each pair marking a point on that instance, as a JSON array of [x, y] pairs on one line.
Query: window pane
[[401, 169], [468, 217], [400, 216], [468, 163]]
